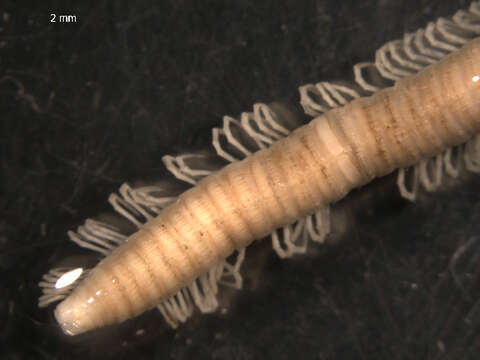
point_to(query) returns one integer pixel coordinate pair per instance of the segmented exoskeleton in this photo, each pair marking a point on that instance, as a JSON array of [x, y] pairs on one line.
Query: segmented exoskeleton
[[351, 163]]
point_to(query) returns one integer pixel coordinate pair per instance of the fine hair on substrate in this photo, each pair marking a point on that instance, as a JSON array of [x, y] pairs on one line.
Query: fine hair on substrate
[[414, 110]]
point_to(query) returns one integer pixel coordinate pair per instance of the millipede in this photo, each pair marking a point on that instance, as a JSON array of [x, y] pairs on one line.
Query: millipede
[[415, 109]]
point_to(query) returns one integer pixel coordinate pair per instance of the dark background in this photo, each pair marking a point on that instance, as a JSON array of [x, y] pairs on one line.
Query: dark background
[[89, 105]]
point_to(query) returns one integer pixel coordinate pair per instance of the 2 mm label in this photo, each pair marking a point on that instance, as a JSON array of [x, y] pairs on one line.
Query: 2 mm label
[[63, 18]]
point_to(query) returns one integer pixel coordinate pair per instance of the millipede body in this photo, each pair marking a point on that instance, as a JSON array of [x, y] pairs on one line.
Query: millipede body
[[317, 164]]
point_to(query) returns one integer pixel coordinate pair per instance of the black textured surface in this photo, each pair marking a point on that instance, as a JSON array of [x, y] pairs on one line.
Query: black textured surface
[[89, 105]]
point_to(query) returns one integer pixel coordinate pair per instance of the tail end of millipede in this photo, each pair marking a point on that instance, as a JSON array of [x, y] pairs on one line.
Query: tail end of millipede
[[71, 317]]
